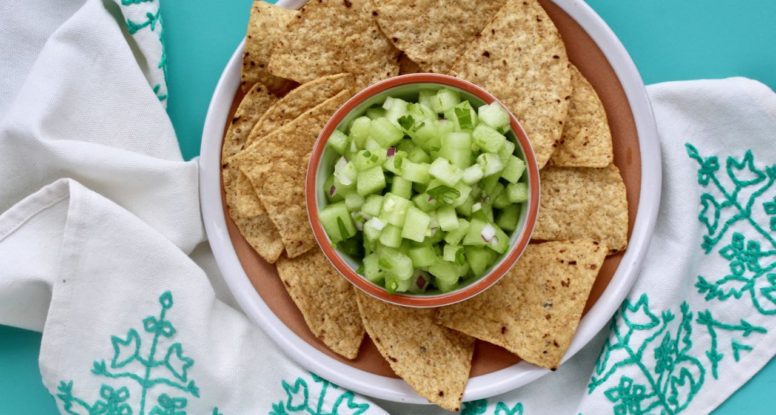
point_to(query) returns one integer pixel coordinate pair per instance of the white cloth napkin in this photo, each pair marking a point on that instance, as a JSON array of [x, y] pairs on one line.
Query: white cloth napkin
[[100, 215]]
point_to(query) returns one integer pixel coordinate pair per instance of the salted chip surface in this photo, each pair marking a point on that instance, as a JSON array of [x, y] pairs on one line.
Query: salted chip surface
[[242, 202], [266, 24], [521, 59], [327, 301], [276, 165], [586, 139], [434, 33], [434, 360], [579, 202], [535, 309], [296, 102], [334, 36]]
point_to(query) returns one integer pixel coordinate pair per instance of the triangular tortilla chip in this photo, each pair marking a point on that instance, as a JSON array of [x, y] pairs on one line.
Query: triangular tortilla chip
[[327, 301], [334, 36], [267, 23], [586, 139], [521, 59], [433, 360], [277, 165], [434, 33], [242, 203], [579, 202], [301, 99], [535, 309]]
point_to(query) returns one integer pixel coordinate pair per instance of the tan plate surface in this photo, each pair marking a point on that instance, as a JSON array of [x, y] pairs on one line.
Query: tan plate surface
[[584, 53]]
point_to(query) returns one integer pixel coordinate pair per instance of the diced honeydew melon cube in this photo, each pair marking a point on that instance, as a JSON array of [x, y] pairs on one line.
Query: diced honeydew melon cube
[[445, 99], [426, 98], [494, 192], [375, 113], [396, 285], [391, 236], [359, 130], [478, 258], [365, 159], [372, 205], [373, 228], [353, 201], [370, 181], [457, 139], [394, 209], [464, 116], [447, 218], [465, 208], [384, 132], [442, 170], [487, 184], [485, 212], [472, 174], [476, 207], [501, 201], [333, 193], [417, 155], [500, 242], [338, 141], [415, 172], [507, 150], [405, 146], [464, 191], [337, 222], [488, 139], [394, 163], [443, 270], [491, 164], [453, 253], [395, 263], [513, 169], [421, 112], [373, 146], [422, 256], [425, 202], [445, 285], [493, 115], [395, 108], [345, 171], [416, 224], [508, 217], [474, 234], [455, 237], [372, 270], [517, 192], [427, 136], [401, 187]]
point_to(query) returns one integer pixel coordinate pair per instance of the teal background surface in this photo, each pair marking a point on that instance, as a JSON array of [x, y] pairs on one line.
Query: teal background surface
[[668, 40]]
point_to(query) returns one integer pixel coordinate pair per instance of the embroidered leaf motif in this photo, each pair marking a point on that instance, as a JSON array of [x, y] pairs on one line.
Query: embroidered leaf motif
[[311, 399], [710, 212], [744, 173], [125, 350], [177, 362]]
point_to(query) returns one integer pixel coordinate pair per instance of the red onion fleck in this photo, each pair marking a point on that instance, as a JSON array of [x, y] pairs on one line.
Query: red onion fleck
[[391, 151], [332, 190], [421, 282]]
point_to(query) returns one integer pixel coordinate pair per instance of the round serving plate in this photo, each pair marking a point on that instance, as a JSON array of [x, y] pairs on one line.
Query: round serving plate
[[599, 55]]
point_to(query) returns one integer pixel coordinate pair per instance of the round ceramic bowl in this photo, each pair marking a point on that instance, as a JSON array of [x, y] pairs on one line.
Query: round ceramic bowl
[[323, 158]]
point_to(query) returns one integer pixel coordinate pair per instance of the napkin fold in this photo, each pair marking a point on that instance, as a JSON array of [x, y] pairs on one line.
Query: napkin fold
[[101, 214]]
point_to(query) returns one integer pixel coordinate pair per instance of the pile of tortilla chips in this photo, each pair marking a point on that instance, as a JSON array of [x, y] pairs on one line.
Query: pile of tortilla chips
[[300, 66]]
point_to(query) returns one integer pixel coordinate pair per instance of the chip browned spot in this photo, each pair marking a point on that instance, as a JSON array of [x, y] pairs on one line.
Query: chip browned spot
[[435, 361], [266, 25], [535, 309]]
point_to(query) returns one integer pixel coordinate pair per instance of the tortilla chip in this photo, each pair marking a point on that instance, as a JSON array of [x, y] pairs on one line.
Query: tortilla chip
[[535, 309], [276, 166], [267, 23], [327, 301], [586, 139], [406, 65], [301, 99], [434, 33], [432, 359], [242, 203], [521, 59], [334, 36], [579, 202]]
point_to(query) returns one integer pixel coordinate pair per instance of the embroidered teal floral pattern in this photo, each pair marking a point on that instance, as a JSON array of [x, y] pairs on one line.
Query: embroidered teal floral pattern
[[650, 363], [319, 397], [142, 369], [480, 407]]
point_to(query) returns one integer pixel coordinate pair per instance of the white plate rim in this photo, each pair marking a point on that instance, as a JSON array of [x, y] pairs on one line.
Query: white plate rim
[[479, 387]]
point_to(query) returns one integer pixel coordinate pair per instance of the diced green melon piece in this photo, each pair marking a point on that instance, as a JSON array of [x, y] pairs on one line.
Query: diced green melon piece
[[373, 146], [442, 170], [444, 100], [484, 213], [417, 155], [487, 184], [494, 192], [465, 208], [375, 113], [373, 228], [472, 174], [490, 163], [488, 139], [416, 224], [345, 172], [366, 159], [464, 116], [513, 169], [507, 150], [338, 141], [372, 205], [354, 201], [508, 217], [444, 270], [370, 181], [455, 236], [474, 235], [501, 201], [426, 98], [447, 218], [493, 115], [445, 285], [415, 172], [464, 191], [333, 193], [453, 253], [359, 130], [384, 132], [391, 236], [422, 256], [395, 263], [459, 139], [517, 192], [479, 259], [405, 146], [372, 270], [401, 187], [395, 108], [337, 222], [425, 202], [394, 163], [421, 112], [500, 242], [394, 209]]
